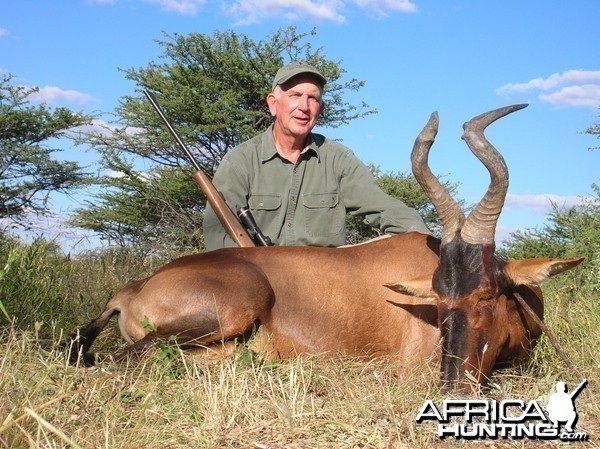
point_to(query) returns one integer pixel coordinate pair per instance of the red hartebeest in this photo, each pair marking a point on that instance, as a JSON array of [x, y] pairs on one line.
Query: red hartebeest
[[358, 300]]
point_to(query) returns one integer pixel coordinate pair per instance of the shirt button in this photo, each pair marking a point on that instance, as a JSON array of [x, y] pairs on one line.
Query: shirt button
[[322, 201], [289, 225], [261, 204]]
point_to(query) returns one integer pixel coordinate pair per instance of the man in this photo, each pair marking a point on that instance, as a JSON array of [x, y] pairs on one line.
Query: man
[[299, 185], [561, 406]]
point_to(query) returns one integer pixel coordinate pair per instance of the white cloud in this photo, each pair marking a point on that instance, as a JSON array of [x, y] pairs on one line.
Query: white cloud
[[542, 203], [53, 94], [183, 7], [553, 81], [115, 174], [54, 227], [503, 233], [573, 88], [382, 8], [99, 127], [102, 128], [255, 11], [143, 175], [3, 32], [587, 95]]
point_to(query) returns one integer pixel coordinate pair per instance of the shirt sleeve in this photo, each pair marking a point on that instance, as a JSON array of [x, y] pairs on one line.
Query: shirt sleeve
[[363, 197], [233, 185]]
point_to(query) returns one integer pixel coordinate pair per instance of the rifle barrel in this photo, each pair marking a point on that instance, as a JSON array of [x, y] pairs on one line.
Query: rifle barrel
[[578, 389], [232, 226], [162, 115]]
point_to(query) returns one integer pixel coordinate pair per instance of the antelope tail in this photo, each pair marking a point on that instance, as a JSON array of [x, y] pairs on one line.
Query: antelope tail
[[82, 339]]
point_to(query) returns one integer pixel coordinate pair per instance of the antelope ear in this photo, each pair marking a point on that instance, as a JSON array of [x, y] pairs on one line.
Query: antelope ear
[[417, 287], [536, 271]]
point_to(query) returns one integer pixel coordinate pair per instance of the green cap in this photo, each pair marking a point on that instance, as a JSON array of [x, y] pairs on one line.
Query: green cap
[[296, 68]]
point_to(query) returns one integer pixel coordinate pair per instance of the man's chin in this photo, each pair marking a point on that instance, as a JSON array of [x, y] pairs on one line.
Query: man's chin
[[301, 129]]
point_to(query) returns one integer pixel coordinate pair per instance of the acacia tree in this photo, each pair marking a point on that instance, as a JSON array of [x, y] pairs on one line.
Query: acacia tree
[[28, 171], [160, 208], [595, 131], [402, 186], [570, 232], [213, 89]]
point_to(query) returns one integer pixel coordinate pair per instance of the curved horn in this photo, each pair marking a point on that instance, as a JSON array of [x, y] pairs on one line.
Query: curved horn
[[448, 210], [480, 225]]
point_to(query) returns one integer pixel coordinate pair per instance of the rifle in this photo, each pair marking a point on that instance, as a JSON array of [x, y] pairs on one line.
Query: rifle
[[578, 389], [241, 236], [248, 221]]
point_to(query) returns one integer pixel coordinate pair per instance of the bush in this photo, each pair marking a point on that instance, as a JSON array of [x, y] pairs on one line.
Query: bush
[[404, 187], [570, 232], [34, 283]]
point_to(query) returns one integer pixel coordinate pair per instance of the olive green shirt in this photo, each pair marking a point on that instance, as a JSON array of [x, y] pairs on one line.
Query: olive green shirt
[[303, 203]]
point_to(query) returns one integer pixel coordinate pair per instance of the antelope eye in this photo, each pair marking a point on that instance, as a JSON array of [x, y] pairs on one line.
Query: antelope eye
[[485, 297]]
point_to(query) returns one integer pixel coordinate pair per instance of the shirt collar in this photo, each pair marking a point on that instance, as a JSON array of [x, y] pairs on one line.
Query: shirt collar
[[269, 150]]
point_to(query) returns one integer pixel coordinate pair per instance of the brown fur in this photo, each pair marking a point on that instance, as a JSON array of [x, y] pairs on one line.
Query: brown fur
[[316, 300]]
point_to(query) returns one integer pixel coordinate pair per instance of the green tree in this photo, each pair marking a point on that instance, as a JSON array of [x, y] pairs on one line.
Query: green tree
[[154, 210], [213, 89], [28, 171], [595, 131], [570, 232], [404, 187]]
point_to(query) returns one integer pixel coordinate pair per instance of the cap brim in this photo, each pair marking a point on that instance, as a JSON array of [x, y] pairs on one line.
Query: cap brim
[[317, 76]]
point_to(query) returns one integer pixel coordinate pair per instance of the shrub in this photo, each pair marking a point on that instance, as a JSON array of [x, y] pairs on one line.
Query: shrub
[[34, 283], [570, 232]]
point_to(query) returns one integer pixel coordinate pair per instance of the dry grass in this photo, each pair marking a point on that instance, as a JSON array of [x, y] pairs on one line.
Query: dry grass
[[185, 401]]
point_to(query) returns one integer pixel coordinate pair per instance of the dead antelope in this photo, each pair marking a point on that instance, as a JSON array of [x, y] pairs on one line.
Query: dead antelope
[[398, 297]]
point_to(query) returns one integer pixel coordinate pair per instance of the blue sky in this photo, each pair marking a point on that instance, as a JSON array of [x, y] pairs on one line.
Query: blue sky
[[459, 57]]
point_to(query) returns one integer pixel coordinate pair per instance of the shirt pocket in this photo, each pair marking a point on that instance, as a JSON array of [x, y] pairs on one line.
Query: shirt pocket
[[264, 202], [267, 211], [324, 215]]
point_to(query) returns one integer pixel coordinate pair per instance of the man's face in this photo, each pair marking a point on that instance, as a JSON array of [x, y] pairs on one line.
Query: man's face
[[296, 106]]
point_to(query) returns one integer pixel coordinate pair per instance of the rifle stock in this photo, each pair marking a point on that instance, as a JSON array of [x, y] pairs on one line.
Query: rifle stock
[[229, 221]]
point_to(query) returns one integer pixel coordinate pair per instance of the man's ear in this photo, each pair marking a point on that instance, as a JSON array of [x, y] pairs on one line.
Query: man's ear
[[272, 104]]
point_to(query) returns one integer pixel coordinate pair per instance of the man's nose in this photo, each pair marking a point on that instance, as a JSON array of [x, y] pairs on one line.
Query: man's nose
[[303, 103]]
